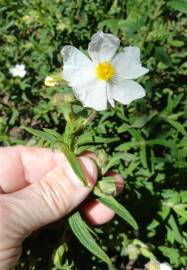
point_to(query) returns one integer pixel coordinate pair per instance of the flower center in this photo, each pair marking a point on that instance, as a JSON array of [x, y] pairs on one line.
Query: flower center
[[105, 71]]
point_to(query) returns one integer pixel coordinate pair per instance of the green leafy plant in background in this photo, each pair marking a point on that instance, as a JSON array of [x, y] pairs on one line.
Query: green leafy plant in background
[[145, 142]]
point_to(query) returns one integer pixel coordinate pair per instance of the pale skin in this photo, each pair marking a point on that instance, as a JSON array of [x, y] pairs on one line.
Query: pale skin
[[38, 187]]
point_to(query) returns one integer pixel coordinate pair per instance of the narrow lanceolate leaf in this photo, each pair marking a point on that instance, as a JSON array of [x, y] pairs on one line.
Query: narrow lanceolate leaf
[[41, 134], [119, 209], [53, 133], [74, 162], [82, 232], [179, 5]]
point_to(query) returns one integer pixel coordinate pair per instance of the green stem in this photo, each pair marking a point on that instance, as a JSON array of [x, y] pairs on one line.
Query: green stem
[[150, 22], [72, 115], [90, 118]]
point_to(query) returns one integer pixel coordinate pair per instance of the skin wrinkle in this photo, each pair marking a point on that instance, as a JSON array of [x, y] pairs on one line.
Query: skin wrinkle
[[13, 251], [50, 198], [33, 219], [9, 234], [24, 227], [12, 209], [64, 195], [8, 262], [32, 195]]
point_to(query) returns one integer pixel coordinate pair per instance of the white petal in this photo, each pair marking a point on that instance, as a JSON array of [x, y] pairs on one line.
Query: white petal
[[23, 73], [93, 95], [11, 70], [126, 91], [165, 266], [128, 64], [78, 69], [103, 47], [21, 66], [110, 96]]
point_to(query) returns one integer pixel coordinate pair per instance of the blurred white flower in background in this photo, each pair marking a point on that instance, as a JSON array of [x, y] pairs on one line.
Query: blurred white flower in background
[[105, 77], [165, 266], [18, 70]]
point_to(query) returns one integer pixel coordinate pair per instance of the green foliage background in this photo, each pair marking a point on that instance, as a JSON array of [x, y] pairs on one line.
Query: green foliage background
[[150, 149]]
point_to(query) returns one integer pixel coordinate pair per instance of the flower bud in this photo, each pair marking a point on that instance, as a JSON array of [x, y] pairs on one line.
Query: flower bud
[[107, 187], [54, 79], [133, 252], [58, 99], [101, 159], [152, 265], [68, 98], [49, 81]]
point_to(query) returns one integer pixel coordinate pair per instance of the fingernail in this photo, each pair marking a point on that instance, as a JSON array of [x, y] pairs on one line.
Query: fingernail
[[89, 169]]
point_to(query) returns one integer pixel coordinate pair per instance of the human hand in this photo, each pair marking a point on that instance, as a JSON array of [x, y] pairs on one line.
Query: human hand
[[37, 187]]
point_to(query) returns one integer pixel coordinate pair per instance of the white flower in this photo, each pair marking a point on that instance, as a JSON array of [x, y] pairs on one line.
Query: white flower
[[18, 70], [165, 266], [105, 77]]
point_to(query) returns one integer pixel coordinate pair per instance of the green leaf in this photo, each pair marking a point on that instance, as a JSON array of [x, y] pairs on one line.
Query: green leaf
[[181, 210], [85, 138], [147, 253], [115, 160], [160, 142], [88, 138], [136, 134], [141, 121], [74, 162], [176, 43], [119, 209], [131, 167], [128, 145], [178, 5], [52, 132], [162, 56], [177, 125], [124, 127], [82, 232], [143, 156], [41, 134], [175, 230], [52, 137], [82, 149], [105, 140], [60, 260], [177, 99], [58, 256], [171, 253]]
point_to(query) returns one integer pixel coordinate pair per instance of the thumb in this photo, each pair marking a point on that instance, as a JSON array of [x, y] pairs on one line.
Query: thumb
[[46, 201]]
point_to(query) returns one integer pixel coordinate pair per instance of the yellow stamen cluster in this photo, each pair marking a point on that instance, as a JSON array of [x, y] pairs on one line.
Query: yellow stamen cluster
[[105, 71]]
